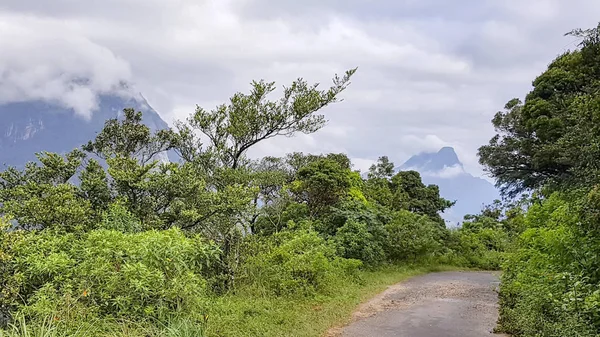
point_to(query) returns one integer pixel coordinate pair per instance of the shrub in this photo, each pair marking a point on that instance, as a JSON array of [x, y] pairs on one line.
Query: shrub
[[411, 236], [550, 282], [117, 217], [354, 241], [484, 249], [107, 272], [294, 263], [9, 284]]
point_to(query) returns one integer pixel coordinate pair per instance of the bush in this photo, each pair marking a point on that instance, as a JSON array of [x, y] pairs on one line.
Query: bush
[[411, 236], [354, 241], [110, 273], [550, 282], [117, 217], [294, 263], [9, 285], [484, 249]]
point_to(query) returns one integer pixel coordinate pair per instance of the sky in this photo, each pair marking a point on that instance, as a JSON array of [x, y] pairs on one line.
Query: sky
[[431, 73]]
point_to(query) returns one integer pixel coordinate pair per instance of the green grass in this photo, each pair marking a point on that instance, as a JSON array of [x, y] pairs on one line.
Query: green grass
[[104, 328], [239, 315], [242, 315]]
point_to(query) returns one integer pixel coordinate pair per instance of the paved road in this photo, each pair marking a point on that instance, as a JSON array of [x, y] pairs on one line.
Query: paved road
[[448, 304]]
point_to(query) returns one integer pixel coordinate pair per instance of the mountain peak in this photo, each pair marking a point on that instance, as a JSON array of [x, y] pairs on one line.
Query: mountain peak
[[448, 156], [444, 169], [447, 149], [433, 161], [33, 126]]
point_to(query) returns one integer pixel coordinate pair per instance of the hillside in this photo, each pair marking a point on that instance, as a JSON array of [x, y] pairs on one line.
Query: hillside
[[34, 126]]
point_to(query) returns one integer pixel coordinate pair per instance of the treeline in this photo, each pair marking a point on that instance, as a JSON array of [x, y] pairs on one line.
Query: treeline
[[107, 233], [547, 151]]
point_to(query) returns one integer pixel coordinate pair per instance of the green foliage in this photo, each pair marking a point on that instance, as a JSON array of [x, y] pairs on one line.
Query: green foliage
[[120, 245], [411, 236], [549, 144], [94, 186], [40, 196], [118, 218], [409, 193], [130, 138], [383, 169], [50, 327], [295, 263], [105, 272], [550, 284], [551, 139], [355, 241], [251, 118], [9, 284], [321, 185]]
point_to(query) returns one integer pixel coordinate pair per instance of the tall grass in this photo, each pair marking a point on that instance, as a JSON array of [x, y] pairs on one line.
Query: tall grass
[[175, 327], [244, 314]]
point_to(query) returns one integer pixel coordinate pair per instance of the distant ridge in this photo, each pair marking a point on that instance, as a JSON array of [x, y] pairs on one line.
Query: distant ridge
[[35, 126], [433, 161], [443, 168]]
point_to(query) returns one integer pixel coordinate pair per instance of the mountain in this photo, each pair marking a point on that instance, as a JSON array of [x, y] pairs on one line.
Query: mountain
[[443, 168], [433, 161], [34, 126]]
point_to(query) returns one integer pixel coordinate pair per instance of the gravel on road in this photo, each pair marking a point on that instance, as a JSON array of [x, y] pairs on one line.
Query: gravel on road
[[452, 304]]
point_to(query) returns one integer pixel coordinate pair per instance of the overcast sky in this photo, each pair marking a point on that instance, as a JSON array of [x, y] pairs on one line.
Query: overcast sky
[[431, 72]]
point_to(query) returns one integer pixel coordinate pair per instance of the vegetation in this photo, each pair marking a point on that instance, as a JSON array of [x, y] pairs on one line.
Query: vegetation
[[547, 148], [107, 240]]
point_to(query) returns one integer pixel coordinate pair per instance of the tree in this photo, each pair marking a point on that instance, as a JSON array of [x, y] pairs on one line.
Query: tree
[[321, 185], [94, 186], [551, 139], [232, 129], [411, 236], [40, 196], [384, 168], [130, 138], [409, 193]]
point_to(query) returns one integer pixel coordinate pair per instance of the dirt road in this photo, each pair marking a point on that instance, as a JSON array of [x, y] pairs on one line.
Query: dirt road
[[448, 304]]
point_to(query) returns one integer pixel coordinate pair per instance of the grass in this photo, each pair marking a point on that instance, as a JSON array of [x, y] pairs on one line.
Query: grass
[[104, 328], [242, 315], [239, 315]]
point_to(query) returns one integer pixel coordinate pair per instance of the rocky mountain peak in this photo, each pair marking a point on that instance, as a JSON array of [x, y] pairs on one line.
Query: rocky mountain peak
[[433, 161]]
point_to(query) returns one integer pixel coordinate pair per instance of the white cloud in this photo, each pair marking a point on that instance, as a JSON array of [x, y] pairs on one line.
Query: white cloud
[[431, 73], [447, 172], [362, 164], [45, 61]]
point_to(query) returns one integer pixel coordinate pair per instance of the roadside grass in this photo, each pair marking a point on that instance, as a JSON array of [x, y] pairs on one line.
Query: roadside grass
[[242, 315], [245, 315]]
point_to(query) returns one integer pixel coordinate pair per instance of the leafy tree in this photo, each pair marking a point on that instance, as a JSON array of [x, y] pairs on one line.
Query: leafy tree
[[232, 129], [94, 186], [355, 241], [411, 236], [551, 139], [321, 185], [40, 196], [384, 168], [130, 138], [409, 193]]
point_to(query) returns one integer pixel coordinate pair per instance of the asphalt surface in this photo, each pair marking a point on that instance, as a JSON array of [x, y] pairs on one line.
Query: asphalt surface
[[452, 304]]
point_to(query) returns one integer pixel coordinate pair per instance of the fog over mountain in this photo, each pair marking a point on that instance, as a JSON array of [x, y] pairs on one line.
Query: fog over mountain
[[32, 126], [443, 168]]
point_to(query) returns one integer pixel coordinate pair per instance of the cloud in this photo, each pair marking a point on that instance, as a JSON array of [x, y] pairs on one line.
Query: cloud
[[44, 61], [431, 73], [447, 172]]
